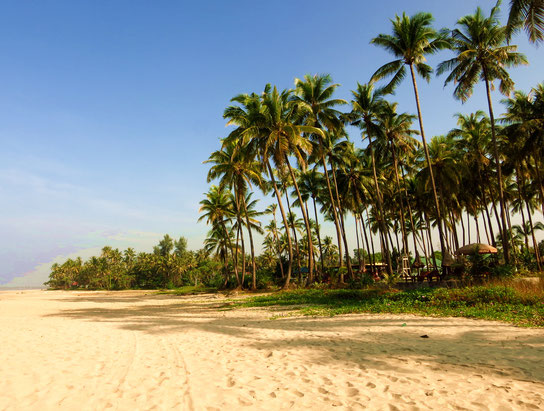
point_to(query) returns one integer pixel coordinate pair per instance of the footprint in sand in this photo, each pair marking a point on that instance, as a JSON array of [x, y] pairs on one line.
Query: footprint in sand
[[371, 385], [352, 392], [230, 382], [322, 390]]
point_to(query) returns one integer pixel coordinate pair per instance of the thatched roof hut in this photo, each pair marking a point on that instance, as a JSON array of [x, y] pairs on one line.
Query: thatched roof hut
[[477, 248]]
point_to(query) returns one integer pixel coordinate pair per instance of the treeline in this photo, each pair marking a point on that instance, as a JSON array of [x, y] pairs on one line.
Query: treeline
[[169, 265], [402, 188]]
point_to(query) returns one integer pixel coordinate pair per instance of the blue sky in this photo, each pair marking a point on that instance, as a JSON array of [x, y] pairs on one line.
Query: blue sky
[[107, 109]]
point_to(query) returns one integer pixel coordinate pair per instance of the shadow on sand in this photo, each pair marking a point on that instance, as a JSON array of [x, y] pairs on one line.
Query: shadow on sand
[[366, 340]]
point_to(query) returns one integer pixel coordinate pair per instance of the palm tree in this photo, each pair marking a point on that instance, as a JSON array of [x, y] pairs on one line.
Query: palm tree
[[311, 184], [525, 130], [528, 14], [482, 54], [314, 97], [395, 133], [237, 170], [412, 40], [217, 208], [366, 105]]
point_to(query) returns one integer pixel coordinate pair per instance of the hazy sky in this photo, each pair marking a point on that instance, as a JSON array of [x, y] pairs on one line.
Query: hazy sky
[[108, 108]]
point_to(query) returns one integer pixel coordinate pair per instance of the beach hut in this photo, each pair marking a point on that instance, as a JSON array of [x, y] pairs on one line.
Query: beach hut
[[477, 248]]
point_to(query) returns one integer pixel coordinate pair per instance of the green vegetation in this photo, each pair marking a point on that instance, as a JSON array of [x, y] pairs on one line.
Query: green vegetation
[[190, 290], [170, 265], [521, 304]]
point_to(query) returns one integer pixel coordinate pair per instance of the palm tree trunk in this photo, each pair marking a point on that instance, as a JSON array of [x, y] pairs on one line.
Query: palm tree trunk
[[414, 231], [358, 243], [468, 227], [335, 214], [297, 251], [318, 236], [363, 228], [478, 239], [278, 245], [535, 244], [493, 242], [234, 257], [463, 227], [286, 225], [540, 185], [379, 198], [253, 265], [373, 256], [504, 233], [342, 223], [428, 223], [402, 221], [428, 159]]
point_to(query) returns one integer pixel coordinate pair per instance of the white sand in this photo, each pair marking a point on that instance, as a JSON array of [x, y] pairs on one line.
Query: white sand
[[128, 351]]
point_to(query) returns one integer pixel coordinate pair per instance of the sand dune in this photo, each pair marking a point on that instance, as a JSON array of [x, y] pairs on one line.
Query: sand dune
[[135, 350]]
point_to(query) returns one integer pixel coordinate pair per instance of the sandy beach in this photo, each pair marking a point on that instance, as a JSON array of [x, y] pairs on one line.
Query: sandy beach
[[139, 350]]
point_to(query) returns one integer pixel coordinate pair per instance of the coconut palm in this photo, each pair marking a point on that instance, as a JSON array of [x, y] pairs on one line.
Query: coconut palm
[[366, 105], [218, 210], [482, 55], [412, 40], [528, 14], [314, 97], [236, 169], [395, 134]]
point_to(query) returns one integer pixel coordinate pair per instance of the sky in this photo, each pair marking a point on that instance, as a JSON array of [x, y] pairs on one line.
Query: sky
[[108, 109]]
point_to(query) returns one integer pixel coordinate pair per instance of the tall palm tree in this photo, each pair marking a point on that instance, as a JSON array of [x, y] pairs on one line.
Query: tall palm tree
[[314, 96], [395, 133], [366, 105], [528, 14], [482, 55], [412, 40]]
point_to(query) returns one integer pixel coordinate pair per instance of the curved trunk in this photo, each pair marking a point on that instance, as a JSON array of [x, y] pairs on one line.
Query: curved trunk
[[318, 236], [342, 224], [233, 255], [504, 233], [402, 221], [306, 223], [536, 157], [428, 159], [379, 198], [414, 231], [535, 244], [278, 245], [286, 224], [363, 228], [293, 228], [253, 266], [335, 213]]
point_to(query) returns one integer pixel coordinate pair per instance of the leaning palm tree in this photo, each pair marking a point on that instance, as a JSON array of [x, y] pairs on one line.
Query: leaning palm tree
[[482, 55], [413, 38], [528, 14]]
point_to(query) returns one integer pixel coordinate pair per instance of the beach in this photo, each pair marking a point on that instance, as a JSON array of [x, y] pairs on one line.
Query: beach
[[141, 350]]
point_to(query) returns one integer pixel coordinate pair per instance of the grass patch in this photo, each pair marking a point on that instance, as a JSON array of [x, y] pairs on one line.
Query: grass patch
[[519, 304], [189, 290]]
